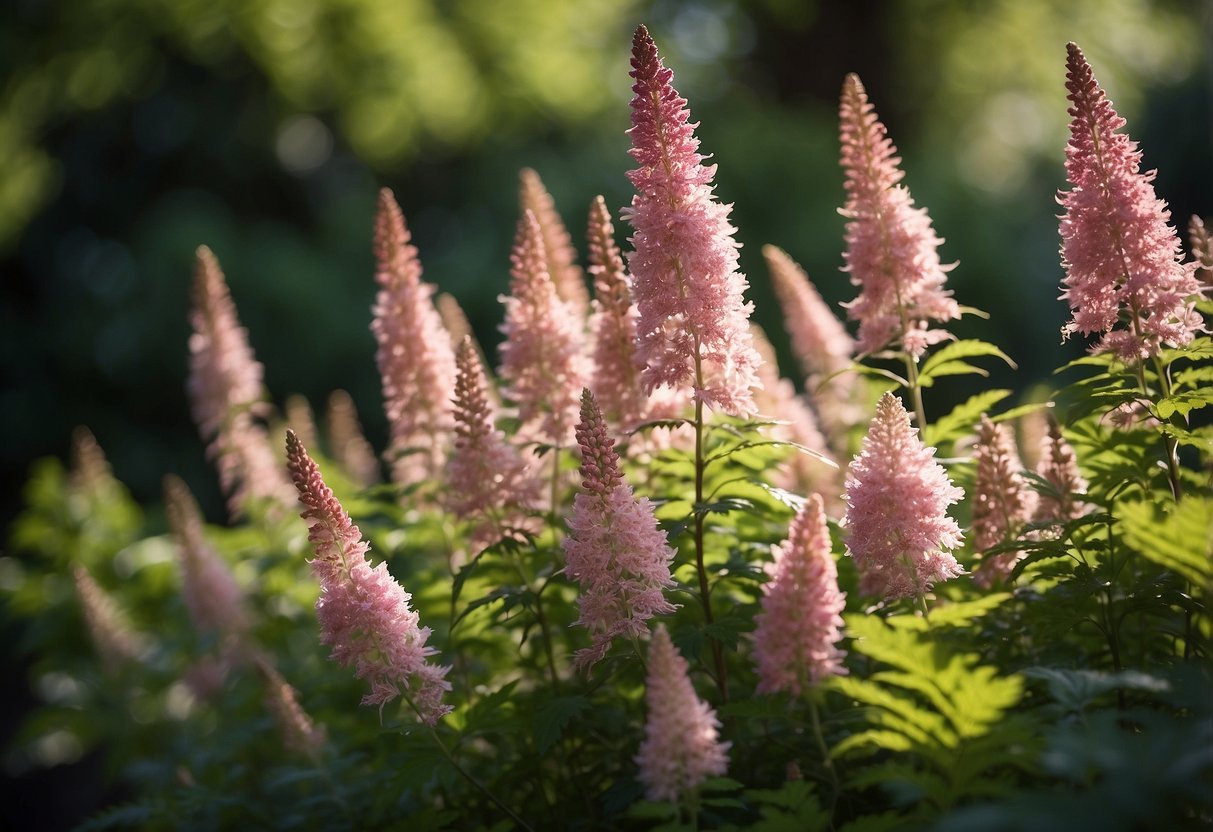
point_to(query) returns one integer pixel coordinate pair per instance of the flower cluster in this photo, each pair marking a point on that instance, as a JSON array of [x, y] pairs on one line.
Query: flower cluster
[[1002, 500]]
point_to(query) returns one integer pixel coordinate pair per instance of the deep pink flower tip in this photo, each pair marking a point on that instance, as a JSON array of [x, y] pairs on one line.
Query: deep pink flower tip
[[599, 460], [681, 748], [1121, 256], [692, 327], [800, 622], [898, 530], [1058, 465]]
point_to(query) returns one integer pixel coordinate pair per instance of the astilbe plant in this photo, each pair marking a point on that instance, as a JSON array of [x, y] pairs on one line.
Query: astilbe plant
[[560, 259], [1058, 466], [1002, 501]]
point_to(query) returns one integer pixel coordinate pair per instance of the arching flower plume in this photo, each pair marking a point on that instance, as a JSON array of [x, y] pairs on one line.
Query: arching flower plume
[[891, 247], [364, 614], [116, 639], [1058, 465], [614, 549], [560, 257], [300, 734], [347, 443], [227, 397], [692, 327], [898, 530], [681, 748], [802, 472], [1002, 500], [800, 624], [215, 602], [1121, 255], [488, 483], [542, 358], [414, 354]]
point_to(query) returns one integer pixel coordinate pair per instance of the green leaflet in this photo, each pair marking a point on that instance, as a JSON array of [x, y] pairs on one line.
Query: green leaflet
[[1179, 537]]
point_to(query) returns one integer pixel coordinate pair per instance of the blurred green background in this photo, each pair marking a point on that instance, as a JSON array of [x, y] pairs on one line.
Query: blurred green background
[[131, 131]]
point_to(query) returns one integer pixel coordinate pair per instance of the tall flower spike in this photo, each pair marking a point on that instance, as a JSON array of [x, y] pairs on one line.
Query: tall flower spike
[[561, 259], [1118, 250], [91, 471], [898, 530], [454, 319], [300, 734], [891, 247], [117, 642], [1059, 467], [415, 358], [800, 623], [488, 483], [692, 328], [364, 614], [1202, 249], [1002, 500], [215, 601], [614, 549], [820, 342], [681, 748], [227, 396], [777, 399], [542, 360], [347, 442], [301, 419], [613, 324]]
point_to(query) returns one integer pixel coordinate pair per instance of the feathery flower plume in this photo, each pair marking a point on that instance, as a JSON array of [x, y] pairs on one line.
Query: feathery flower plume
[[227, 396], [613, 324], [347, 442], [414, 355], [116, 640], [300, 734], [215, 601], [692, 326], [614, 549], [90, 471], [1202, 249], [1059, 467], [301, 419], [681, 748], [801, 619], [542, 361], [560, 257], [777, 399], [891, 247], [454, 319], [1002, 500], [488, 483], [1118, 250], [364, 614], [898, 530]]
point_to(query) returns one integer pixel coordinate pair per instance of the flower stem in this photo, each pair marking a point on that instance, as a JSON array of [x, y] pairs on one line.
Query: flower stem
[[467, 776], [722, 683], [916, 394]]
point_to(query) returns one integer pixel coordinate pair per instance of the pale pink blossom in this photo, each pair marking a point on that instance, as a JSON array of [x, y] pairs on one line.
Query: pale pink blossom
[[681, 747], [1202, 249], [800, 624], [90, 470], [215, 602], [614, 548], [1121, 256], [414, 354], [542, 358], [1058, 465], [692, 328], [560, 257], [347, 443], [454, 319], [489, 484], [301, 419], [364, 614], [898, 530], [116, 639], [1002, 500], [891, 247], [300, 734], [227, 397]]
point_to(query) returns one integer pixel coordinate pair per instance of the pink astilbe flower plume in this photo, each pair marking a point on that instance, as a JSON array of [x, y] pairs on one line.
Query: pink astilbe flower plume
[[454, 319], [560, 257], [898, 530], [692, 328], [542, 358], [301, 419], [1002, 500], [300, 734], [116, 639], [415, 358], [347, 443], [364, 614], [227, 397], [215, 602], [1121, 256], [1058, 466], [90, 471], [800, 623], [681, 747], [1202, 249], [614, 549], [488, 483], [891, 247]]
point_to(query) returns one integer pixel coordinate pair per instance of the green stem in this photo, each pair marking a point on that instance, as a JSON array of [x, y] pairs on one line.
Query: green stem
[[467, 776], [722, 683], [916, 394]]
